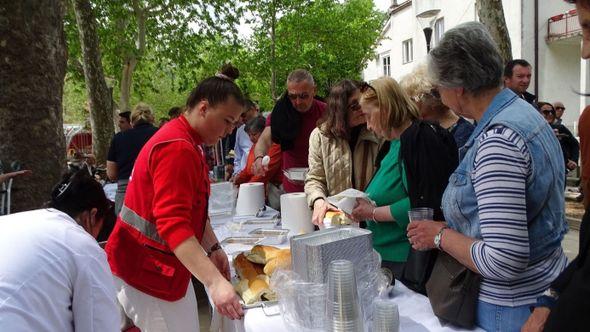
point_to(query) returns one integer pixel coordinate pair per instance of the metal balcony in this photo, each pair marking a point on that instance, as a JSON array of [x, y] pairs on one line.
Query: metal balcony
[[564, 27]]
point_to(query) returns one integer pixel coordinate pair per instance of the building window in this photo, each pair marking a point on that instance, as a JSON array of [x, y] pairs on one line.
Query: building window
[[387, 65], [439, 30], [407, 51]]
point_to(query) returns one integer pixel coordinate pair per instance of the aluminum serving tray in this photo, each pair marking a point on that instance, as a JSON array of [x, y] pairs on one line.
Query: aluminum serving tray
[[296, 173], [269, 232], [261, 222], [312, 253], [246, 240]]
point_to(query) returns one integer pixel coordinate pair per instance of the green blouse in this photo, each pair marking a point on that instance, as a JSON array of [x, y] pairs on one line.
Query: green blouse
[[387, 189]]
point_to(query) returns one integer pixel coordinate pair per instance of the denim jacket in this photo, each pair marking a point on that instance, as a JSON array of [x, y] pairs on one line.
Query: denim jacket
[[544, 187]]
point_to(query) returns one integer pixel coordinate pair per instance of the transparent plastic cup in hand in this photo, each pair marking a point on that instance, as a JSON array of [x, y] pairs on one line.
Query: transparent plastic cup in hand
[[420, 214]]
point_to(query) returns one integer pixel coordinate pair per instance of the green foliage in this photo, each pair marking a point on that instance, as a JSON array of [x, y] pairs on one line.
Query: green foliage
[[74, 101], [331, 38]]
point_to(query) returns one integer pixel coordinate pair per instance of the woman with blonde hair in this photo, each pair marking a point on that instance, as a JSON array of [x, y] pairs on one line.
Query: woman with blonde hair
[[427, 99], [125, 147], [413, 172]]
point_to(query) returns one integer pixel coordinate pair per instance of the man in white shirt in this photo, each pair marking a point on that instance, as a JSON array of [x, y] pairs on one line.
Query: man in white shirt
[[53, 274], [243, 142]]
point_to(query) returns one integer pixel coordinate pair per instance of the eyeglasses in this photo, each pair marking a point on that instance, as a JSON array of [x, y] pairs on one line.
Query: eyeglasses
[[433, 93], [294, 96], [560, 108], [364, 86]]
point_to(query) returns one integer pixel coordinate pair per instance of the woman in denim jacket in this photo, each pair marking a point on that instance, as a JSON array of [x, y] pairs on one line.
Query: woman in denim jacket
[[504, 204]]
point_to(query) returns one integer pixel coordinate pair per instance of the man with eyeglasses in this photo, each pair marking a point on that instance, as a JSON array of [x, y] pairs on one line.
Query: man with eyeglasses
[[294, 117], [559, 109]]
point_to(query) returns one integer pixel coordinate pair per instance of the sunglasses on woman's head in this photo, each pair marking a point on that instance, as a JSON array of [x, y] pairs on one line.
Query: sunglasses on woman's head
[[364, 86]]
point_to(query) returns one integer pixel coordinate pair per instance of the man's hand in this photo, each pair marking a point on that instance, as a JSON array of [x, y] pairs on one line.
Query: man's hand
[[219, 259], [229, 172], [8, 176], [258, 169], [571, 165], [536, 321], [225, 299]]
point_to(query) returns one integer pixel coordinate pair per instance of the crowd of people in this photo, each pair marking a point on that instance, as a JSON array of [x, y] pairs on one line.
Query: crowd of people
[[459, 135]]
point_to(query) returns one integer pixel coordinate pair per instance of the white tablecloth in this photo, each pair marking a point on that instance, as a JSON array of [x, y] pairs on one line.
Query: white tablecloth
[[415, 312]]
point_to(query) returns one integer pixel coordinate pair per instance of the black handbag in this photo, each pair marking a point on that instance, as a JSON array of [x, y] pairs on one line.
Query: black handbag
[[418, 269], [453, 291]]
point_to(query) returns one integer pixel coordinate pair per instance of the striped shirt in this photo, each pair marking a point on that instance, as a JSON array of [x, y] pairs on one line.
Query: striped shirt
[[501, 169]]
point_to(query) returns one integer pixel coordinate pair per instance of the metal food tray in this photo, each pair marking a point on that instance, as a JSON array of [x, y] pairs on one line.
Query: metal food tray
[[296, 173], [269, 232], [312, 253], [247, 240]]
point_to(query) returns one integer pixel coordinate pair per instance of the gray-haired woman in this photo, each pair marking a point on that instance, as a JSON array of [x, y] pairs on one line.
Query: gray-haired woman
[[504, 204]]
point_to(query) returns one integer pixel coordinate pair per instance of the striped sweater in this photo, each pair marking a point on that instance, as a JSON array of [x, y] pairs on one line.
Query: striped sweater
[[501, 169]]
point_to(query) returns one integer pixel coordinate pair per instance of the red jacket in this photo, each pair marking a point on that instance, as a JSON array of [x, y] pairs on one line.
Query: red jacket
[[165, 204], [274, 174]]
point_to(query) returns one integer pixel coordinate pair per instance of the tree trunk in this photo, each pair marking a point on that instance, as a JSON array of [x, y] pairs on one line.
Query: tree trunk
[[32, 69], [101, 108], [131, 59], [126, 81], [491, 14]]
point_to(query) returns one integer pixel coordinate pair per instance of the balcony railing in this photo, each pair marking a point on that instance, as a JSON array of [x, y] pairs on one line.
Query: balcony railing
[[563, 26]]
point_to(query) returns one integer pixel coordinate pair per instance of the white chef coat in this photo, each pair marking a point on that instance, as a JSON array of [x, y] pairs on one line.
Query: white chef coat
[[53, 276]]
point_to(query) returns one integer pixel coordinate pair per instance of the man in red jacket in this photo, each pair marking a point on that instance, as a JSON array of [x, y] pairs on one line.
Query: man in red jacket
[[162, 234], [293, 119]]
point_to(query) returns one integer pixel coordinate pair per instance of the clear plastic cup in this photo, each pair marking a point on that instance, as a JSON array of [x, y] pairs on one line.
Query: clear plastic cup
[[343, 309], [419, 214], [385, 316]]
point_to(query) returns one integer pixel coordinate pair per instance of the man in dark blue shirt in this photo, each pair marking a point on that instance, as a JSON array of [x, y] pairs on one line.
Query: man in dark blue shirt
[[125, 147]]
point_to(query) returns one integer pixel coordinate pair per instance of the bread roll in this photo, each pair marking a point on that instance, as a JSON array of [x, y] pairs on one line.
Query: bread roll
[[336, 218], [262, 254], [282, 260], [245, 269], [253, 286], [258, 290]]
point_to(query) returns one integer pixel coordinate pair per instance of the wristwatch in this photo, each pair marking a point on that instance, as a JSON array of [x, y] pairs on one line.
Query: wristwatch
[[438, 237], [213, 248]]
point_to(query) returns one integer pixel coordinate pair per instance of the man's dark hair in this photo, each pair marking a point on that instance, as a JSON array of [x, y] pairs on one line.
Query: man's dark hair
[[126, 115], [255, 125], [249, 104], [508, 69], [174, 112]]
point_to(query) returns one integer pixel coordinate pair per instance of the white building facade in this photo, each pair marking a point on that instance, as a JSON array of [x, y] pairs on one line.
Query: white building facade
[[546, 33]]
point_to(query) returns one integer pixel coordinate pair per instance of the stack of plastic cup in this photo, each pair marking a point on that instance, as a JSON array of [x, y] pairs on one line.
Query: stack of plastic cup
[[343, 308], [385, 316]]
